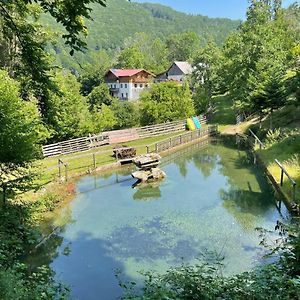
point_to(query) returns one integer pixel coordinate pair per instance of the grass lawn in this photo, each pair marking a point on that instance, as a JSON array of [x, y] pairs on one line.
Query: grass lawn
[[224, 113], [286, 150], [80, 162]]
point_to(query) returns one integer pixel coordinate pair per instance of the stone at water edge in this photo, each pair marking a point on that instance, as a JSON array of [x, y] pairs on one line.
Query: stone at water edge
[[141, 175], [158, 173]]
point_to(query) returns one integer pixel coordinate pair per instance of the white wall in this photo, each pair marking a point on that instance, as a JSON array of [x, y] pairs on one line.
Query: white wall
[[132, 92]]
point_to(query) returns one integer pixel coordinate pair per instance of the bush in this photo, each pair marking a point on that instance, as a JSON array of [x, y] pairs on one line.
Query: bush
[[168, 101]]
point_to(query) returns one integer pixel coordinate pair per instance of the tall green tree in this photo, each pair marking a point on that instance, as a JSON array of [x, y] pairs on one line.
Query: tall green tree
[[26, 40], [256, 52], [69, 115], [21, 129], [165, 102], [183, 46], [94, 71], [206, 80], [99, 95]]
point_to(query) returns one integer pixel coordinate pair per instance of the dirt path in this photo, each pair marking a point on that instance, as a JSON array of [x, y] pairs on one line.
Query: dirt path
[[240, 128]]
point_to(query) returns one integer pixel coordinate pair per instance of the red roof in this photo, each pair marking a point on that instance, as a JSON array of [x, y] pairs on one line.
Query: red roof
[[126, 72]]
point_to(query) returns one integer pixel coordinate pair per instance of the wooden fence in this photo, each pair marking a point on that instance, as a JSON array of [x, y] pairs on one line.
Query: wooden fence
[[292, 181], [183, 139], [113, 137], [75, 145]]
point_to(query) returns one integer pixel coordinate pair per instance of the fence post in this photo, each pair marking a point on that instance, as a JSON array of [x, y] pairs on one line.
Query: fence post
[[147, 147], [94, 160], [59, 168], [170, 143], [281, 178], [180, 139], [156, 147], [66, 172]]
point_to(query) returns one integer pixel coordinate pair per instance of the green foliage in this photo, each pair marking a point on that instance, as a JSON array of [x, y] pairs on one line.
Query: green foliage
[[21, 129], [165, 102], [100, 95], [142, 51], [103, 118], [202, 100], [182, 46], [126, 113], [68, 113], [94, 71], [26, 40], [256, 54]]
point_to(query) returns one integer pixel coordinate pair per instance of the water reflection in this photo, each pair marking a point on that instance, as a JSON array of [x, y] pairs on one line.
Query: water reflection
[[148, 191]]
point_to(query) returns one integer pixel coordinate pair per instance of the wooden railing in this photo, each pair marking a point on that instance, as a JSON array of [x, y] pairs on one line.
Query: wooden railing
[[292, 181], [75, 145], [257, 140], [184, 138]]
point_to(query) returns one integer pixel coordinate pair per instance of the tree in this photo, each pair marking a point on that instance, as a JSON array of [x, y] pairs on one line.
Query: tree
[[94, 71], [131, 58], [126, 113], [142, 51], [100, 95], [69, 115], [183, 46], [26, 40], [205, 77], [165, 102], [21, 129], [103, 118], [256, 52]]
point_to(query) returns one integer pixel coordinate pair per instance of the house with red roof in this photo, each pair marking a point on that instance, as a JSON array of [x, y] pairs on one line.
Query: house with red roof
[[128, 84]]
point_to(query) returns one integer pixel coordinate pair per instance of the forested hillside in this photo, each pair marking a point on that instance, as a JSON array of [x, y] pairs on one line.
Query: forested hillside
[[122, 19]]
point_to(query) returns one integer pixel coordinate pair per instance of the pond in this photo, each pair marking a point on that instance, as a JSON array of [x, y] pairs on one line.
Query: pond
[[212, 201]]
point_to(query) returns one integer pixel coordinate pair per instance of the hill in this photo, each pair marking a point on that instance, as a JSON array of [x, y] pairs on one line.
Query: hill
[[122, 19]]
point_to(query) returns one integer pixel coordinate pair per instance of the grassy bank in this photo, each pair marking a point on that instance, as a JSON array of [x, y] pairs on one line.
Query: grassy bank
[[282, 143]]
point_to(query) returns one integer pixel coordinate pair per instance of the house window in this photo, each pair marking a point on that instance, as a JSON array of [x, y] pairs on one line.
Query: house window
[[141, 85], [121, 85], [115, 85], [125, 85], [146, 85], [135, 85], [122, 95], [126, 95]]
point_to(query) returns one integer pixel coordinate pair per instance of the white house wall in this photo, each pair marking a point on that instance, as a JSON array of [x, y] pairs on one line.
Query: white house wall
[[130, 92]]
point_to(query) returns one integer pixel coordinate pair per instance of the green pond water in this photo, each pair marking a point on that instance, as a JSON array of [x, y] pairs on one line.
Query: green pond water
[[212, 200]]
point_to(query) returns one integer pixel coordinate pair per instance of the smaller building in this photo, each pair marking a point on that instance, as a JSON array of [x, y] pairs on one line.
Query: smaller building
[[128, 84], [178, 71]]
